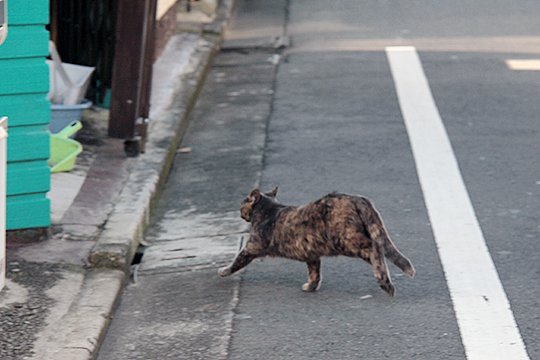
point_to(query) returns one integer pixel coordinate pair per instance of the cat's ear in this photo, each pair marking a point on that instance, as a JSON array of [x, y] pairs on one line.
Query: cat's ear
[[273, 193], [255, 196]]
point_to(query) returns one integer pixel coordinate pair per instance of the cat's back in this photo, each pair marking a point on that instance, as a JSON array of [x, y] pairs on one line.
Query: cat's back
[[328, 226], [335, 204], [329, 209]]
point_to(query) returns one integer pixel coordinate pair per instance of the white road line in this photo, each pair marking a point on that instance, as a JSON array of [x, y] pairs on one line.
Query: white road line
[[523, 64], [486, 322]]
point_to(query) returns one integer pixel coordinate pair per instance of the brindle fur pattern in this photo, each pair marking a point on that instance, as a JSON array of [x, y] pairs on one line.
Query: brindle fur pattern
[[336, 224]]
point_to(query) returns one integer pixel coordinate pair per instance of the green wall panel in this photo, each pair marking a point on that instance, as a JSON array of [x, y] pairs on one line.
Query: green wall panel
[[23, 76], [28, 143], [24, 80], [26, 109], [28, 177], [25, 41], [28, 12], [28, 212]]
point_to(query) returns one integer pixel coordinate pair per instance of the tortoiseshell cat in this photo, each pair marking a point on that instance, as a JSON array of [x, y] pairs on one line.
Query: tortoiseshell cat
[[337, 224]]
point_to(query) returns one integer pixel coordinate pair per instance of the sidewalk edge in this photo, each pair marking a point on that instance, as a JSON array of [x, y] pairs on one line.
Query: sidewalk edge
[[124, 229], [88, 318]]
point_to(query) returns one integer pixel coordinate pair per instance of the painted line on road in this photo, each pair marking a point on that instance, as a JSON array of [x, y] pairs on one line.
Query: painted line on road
[[485, 319], [523, 64]]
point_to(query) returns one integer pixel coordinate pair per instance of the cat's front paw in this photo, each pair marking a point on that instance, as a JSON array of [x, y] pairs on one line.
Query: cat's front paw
[[310, 287], [224, 271]]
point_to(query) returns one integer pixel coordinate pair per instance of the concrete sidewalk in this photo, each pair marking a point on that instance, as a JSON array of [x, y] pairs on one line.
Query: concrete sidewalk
[[61, 292]]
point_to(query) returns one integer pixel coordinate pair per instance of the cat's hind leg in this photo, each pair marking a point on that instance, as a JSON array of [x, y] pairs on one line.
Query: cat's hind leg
[[379, 234], [314, 276], [242, 260], [380, 269]]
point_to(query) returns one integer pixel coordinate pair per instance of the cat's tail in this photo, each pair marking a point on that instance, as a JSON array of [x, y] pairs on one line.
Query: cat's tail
[[379, 234]]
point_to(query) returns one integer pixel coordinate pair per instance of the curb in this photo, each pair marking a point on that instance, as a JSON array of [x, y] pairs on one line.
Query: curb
[[87, 320], [89, 316], [124, 230]]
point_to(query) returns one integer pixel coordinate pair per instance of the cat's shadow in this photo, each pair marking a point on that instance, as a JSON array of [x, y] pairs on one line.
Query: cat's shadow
[[343, 277]]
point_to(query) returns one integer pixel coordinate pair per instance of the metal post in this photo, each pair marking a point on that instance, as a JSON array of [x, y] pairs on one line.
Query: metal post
[[3, 159]]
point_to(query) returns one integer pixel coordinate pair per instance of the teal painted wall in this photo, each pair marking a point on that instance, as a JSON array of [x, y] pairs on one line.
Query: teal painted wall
[[24, 83]]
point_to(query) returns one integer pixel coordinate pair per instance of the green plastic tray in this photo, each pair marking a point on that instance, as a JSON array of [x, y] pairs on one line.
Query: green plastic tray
[[64, 150]]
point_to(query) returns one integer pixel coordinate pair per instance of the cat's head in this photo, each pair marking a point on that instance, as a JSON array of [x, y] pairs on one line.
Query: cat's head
[[254, 197]]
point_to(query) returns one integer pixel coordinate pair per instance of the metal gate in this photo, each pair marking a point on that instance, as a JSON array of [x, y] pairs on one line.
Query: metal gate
[[84, 32]]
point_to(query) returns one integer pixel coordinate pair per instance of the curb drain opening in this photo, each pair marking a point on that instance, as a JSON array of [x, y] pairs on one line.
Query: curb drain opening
[[136, 263], [139, 253]]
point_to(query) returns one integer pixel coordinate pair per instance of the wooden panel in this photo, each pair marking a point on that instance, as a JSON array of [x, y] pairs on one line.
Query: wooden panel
[[31, 211], [28, 177], [24, 76], [25, 41], [28, 143], [27, 109], [28, 12]]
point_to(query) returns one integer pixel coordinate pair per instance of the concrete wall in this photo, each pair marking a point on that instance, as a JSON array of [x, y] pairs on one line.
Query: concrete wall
[[165, 24], [163, 6]]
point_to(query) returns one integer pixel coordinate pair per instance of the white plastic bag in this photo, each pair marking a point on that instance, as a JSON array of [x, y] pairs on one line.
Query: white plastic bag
[[68, 82]]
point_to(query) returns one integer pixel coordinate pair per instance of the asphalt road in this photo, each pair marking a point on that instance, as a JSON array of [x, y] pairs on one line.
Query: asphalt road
[[328, 118]]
